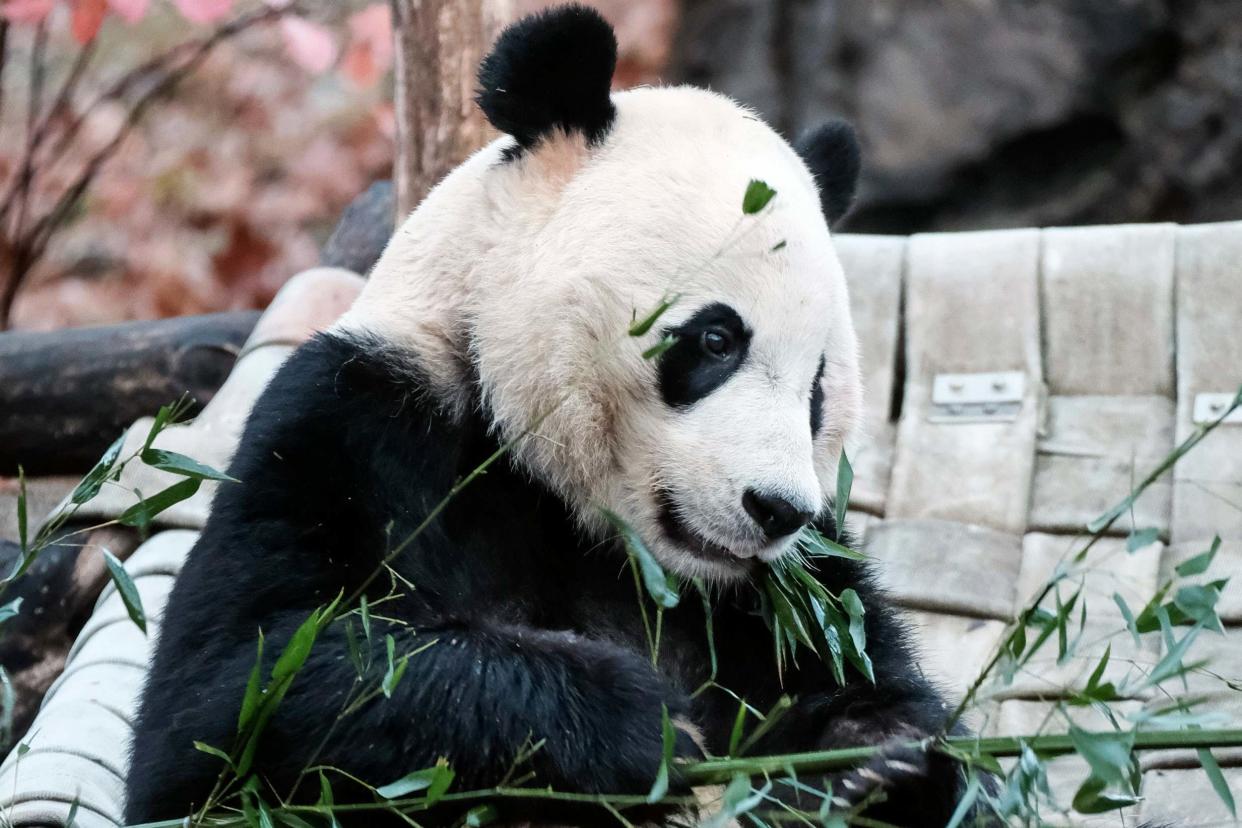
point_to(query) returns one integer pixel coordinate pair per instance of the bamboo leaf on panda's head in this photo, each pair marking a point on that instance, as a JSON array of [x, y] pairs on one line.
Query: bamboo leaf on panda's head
[[758, 195], [660, 347], [845, 482], [659, 585], [641, 326]]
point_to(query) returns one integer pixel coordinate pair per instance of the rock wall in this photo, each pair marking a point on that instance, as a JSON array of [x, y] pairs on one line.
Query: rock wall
[[997, 113]]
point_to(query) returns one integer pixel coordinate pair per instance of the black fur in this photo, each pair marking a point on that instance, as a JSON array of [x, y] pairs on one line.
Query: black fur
[[832, 153], [551, 71], [817, 399], [537, 630], [687, 371]]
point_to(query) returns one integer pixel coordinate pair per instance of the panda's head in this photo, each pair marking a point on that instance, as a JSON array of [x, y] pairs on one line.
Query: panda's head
[[519, 279]]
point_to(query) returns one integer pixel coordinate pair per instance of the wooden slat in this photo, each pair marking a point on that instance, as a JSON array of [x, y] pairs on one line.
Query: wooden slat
[[947, 566], [873, 265], [971, 306], [1207, 483]]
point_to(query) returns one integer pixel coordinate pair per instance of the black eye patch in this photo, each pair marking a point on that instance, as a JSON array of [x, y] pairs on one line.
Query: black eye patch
[[817, 399], [710, 346]]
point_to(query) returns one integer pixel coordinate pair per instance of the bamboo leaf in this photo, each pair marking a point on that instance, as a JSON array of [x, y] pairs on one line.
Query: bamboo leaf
[[735, 735], [171, 461], [845, 482], [660, 347], [435, 780], [141, 513], [126, 589], [99, 473], [668, 739], [396, 669], [816, 545], [658, 585], [1128, 616], [10, 610], [254, 690], [641, 326], [22, 521], [214, 751], [758, 195], [1141, 539], [481, 815], [1214, 775], [1199, 563]]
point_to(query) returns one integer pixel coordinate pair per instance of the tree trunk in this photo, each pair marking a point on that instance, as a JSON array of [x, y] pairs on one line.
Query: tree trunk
[[439, 44]]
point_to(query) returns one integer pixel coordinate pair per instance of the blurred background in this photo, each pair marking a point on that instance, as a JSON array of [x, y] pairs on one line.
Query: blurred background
[[972, 114]]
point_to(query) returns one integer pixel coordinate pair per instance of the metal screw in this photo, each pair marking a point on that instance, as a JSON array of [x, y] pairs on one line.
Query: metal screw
[[956, 387], [990, 408], [1216, 407], [998, 385]]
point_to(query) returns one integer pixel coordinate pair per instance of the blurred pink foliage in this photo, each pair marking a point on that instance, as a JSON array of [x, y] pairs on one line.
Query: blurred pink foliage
[[225, 189]]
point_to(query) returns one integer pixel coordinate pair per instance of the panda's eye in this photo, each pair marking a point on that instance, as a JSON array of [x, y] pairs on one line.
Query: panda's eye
[[717, 341]]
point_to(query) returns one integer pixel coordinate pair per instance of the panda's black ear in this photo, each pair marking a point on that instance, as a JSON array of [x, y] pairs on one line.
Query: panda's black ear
[[831, 152], [551, 70]]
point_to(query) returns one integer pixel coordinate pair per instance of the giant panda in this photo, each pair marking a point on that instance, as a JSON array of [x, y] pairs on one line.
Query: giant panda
[[496, 327]]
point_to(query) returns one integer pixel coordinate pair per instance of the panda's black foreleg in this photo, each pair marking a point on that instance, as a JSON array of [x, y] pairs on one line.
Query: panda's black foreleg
[[478, 696]]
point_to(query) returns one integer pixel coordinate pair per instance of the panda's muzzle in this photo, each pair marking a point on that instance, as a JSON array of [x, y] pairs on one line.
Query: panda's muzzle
[[684, 536]]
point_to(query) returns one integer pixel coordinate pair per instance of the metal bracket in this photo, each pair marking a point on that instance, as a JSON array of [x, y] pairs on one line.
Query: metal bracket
[[994, 397], [1209, 407]]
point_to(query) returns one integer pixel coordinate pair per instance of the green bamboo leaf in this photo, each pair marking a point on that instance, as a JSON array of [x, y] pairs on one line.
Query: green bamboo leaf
[[1091, 798], [660, 347], [757, 196], [1141, 539], [99, 473], [641, 326], [291, 659], [481, 815], [126, 589], [1198, 603], [163, 418], [1128, 616], [1199, 563], [669, 738], [780, 245], [1110, 755], [654, 579], [364, 611], [1098, 672], [858, 633], [396, 669], [845, 482], [815, 544], [1171, 665], [735, 735], [214, 751], [326, 796], [171, 461], [142, 512], [21, 514], [435, 780], [254, 691], [1214, 775], [966, 802], [10, 610], [72, 816]]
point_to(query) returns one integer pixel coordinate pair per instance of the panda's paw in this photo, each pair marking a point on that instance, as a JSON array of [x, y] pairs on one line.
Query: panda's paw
[[897, 766]]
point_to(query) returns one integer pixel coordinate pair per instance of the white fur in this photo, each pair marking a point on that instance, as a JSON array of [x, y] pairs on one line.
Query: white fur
[[533, 270]]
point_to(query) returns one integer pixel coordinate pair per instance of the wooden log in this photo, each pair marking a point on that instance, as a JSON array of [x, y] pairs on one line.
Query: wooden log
[[66, 395], [439, 44]]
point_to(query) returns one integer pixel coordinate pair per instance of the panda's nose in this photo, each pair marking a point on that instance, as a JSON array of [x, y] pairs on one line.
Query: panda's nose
[[776, 516]]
